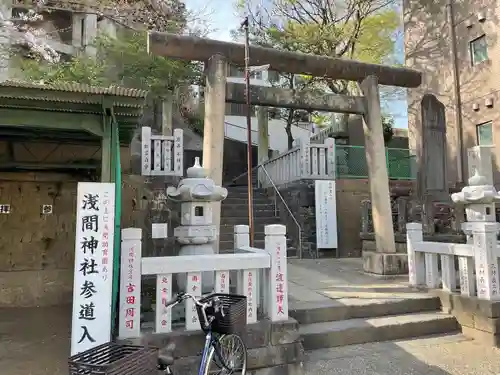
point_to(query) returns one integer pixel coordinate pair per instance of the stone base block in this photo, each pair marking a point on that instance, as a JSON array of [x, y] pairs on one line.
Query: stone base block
[[479, 319], [273, 348], [385, 263]]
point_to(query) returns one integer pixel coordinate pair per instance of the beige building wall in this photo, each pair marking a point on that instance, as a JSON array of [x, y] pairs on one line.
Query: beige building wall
[[428, 49]]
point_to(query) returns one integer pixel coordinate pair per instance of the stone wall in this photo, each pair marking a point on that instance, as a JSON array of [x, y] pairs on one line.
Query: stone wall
[[273, 348], [299, 197], [36, 250], [479, 319]]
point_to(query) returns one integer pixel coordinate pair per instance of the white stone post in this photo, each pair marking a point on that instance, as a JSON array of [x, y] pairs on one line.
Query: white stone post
[[241, 239], [277, 281], [485, 255], [241, 236], [130, 284], [248, 281], [305, 158], [416, 262], [466, 267], [146, 151], [330, 158], [178, 152]]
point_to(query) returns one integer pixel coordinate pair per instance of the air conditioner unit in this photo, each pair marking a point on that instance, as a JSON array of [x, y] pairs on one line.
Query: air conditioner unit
[[468, 23], [481, 16], [488, 102], [475, 107]]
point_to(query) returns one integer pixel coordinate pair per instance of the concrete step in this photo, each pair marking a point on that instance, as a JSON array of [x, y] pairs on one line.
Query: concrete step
[[353, 308], [264, 211], [360, 331], [243, 207], [231, 200]]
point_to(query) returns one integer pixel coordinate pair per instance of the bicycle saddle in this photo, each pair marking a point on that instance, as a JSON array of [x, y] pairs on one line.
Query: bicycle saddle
[[166, 355], [165, 360]]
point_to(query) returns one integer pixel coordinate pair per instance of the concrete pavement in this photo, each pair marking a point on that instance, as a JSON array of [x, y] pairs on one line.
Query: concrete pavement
[[442, 355], [331, 281]]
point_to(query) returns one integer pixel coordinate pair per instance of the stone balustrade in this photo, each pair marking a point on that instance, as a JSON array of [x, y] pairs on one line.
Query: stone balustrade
[[259, 274], [305, 161], [477, 259], [162, 155]]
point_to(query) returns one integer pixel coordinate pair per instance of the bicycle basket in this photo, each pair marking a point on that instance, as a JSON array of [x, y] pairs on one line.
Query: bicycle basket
[[235, 313], [115, 359]]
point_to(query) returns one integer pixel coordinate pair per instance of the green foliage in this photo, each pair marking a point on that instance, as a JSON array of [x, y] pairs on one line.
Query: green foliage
[[122, 61], [388, 127], [359, 29]]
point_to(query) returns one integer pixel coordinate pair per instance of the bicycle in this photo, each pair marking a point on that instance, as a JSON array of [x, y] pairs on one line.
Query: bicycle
[[220, 317]]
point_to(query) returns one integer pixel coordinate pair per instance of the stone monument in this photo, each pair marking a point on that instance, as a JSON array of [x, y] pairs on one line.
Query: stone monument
[[197, 232], [432, 176]]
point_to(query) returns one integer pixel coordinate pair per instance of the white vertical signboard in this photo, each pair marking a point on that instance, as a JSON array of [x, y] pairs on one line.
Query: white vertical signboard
[[93, 281], [130, 283], [326, 214]]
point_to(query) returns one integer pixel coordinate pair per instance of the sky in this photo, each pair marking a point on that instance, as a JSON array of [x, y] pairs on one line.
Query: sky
[[222, 19]]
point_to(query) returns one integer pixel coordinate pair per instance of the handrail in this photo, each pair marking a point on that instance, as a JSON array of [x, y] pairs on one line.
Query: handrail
[[244, 174], [282, 200], [288, 209]]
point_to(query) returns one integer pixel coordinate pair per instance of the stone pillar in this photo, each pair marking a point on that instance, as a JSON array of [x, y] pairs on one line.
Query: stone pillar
[[479, 159], [167, 114], [263, 124], [89, 34], [213, 134], [383, 261], [366, 221], [402, 206]]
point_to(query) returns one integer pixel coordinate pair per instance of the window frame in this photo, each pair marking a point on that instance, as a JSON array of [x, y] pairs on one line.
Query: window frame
[[472, 43], [478, 126]]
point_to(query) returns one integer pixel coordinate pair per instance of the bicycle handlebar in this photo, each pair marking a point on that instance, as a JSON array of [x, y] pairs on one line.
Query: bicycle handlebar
[[183, 296]]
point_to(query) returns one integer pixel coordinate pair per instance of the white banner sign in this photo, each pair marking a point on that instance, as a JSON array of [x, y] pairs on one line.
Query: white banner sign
[[326, 214], [93, 282]]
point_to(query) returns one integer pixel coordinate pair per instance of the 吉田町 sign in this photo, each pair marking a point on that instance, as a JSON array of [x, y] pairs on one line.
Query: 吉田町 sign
[[326, 214], [92, 288]]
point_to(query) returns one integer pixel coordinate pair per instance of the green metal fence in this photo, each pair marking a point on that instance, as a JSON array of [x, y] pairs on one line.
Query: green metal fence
[[351, 163]]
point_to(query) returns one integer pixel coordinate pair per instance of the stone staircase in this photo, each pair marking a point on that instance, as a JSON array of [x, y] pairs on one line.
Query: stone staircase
[[234, 211], [349, 321]]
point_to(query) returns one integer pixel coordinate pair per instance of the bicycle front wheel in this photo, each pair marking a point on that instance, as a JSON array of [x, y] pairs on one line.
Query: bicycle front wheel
[[229, 358]]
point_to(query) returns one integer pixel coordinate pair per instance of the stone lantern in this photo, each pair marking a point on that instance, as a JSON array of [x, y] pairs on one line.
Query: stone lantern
[[479, 199], [197, 233], [481, 228]]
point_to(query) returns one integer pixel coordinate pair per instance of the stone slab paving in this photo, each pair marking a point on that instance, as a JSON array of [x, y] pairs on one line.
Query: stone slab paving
[[319, 280], [441, 355], [35, 341]]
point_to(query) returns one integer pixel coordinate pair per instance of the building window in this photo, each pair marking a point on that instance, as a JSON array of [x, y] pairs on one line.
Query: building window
[[479, 50], [485, 134]]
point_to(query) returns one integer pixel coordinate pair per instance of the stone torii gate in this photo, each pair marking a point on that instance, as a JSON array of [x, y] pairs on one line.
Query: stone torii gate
[[217, 54]]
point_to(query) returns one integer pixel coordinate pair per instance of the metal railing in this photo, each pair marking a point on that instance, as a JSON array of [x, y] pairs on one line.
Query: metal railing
[[350, 163], [276, 193]]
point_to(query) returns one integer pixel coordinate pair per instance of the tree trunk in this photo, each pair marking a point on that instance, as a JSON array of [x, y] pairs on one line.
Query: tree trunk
[[288, 128]]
